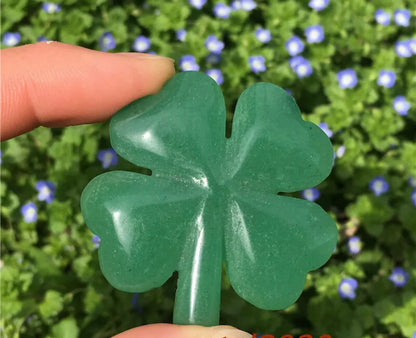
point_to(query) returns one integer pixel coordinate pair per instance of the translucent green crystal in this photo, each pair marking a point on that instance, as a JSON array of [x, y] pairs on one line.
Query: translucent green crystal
[[212, 199]]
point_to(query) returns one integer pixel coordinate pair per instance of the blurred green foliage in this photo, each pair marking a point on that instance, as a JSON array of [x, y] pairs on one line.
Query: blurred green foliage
[[51, 285]]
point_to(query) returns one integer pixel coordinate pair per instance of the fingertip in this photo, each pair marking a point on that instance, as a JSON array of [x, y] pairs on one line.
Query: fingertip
[[183, 331], [158, 69]]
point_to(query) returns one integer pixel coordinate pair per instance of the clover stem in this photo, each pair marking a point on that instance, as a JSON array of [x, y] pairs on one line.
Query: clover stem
[[199, 284]]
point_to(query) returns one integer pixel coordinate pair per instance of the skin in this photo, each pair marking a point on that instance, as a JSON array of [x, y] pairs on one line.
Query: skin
[[55, 85]]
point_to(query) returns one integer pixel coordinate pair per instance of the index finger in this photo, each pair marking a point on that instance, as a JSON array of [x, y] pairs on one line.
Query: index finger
[[56, 84]]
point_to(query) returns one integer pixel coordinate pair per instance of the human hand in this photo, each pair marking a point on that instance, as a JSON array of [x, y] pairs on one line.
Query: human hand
[[55, 85]]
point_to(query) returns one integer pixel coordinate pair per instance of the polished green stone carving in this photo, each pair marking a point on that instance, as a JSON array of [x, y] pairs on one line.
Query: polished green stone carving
[[212, 199]]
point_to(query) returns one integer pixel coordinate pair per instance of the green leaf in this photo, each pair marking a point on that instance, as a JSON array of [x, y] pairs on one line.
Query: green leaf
[[408, 152], [383, 307], [116, 14], [44, 264], [59, 214], [73, 135], [92, 301], [12, 12], [16, 151], [64, 156], [73, 26], [380, 126], [325, 314], [372, 211], [66, 328], [83, 268], [28, 33], [352, 269], [407, 215], [366, 316], [403, 315], [51, 305]]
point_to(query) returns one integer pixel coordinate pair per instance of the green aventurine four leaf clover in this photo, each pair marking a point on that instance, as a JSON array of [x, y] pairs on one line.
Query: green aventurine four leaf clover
[[212, 199]]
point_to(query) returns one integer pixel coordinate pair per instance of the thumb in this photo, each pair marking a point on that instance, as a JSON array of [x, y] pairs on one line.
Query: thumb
[[186, 331], [56, 84]]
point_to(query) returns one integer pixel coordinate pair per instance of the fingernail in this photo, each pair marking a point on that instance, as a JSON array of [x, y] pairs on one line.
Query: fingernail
[[229, 332], [144, 56]]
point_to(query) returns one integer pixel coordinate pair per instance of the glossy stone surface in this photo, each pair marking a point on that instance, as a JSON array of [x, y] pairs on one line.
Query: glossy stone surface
[[211, 199]]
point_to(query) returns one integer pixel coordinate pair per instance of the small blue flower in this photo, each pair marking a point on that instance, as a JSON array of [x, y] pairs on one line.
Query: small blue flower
[[412, 181], [96, 240], [412, 45], [135, 303], [401, 17], [29, 212], [107, 42], [214, 45], [46, 191], [216, 74], [263, 35], [50, 7], [42, 38], [11, 39], [256, 63], [314, 34], [213, 59], [248, 5], [301, 66], [347, 78], [236, 5], [187, 63], [141, 44], [311, 194], [294, 45], [382, 17], [386, 78], [221, 10], [295, 61], [341, 151], [400, 105], [245, 5], [325, 129], [414, 335], [413, 197], [379, 185], [108, 157], [403, 49], [198, 4], [1, 156], [347, 287], [318, 5], [181, 34], [354, 245], [399, 277]]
